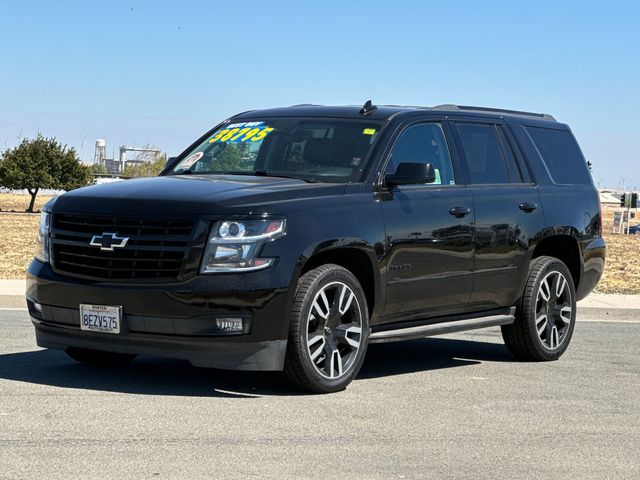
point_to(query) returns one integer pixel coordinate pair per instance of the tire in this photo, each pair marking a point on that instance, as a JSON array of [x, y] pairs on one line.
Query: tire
[[98, 357], [329, 330], [546, 313]]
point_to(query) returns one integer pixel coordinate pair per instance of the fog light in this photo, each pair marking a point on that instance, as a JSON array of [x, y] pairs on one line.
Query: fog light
[[37, 307], [230, 325]]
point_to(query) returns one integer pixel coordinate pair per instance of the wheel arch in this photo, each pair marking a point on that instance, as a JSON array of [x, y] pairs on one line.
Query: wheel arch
[[564, 248], [358, 261]]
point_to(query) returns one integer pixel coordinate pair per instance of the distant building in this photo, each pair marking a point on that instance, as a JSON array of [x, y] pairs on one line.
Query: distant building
[[113, 165], [609, 198]]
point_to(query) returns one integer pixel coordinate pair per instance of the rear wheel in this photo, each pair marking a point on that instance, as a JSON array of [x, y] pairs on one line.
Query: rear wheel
[[545, 317], [329, 330], [99, 358]]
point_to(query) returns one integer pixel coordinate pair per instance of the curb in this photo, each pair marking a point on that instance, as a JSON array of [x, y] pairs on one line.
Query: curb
[[608, 314], [13, 302], [12, 287]]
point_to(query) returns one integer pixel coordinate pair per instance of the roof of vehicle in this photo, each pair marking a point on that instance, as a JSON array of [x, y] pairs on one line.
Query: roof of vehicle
[[387, 112]]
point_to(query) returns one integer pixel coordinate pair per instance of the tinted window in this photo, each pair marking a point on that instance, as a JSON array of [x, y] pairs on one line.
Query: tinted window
[[325, 150], [424, 143], [483, 153], [561, 154]]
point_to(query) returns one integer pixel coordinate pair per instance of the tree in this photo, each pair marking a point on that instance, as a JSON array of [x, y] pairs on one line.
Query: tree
[[149, 168], [96, 168], [233, 158], [42, 163]]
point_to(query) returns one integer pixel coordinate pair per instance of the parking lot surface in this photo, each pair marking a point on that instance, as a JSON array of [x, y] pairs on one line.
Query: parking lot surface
[[447, 407]]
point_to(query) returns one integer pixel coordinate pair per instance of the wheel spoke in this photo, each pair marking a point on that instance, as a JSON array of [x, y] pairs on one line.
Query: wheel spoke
[[337, 359], [323, 312], [349, 334], [346, 298], [548, 332], [335, 302], [560, 285], [565, 314], [545, 290], [541, 324], [553, 338], [332, 362], [316, 346]]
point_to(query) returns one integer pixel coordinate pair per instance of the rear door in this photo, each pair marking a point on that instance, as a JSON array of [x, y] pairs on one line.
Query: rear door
[[429, 230], [507, 211]]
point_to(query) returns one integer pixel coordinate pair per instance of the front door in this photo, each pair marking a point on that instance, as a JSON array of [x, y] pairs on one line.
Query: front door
[[429, 231]]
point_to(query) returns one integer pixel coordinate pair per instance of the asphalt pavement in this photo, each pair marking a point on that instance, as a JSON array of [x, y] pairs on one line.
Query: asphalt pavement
[[446, 407]]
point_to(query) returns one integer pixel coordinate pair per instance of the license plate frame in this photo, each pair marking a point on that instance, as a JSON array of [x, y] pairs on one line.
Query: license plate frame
[[101, 318]]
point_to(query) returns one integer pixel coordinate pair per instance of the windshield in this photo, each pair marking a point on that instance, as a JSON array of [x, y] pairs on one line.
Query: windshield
[[323, 150]]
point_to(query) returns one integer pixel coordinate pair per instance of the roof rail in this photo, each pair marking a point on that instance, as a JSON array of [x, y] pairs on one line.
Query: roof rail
[[449, 106]]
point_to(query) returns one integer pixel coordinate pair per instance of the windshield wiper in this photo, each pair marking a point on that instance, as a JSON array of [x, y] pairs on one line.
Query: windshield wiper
[[265, 173]]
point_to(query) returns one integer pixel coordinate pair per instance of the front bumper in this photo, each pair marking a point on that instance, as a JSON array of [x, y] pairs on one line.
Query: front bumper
[[172, 320]]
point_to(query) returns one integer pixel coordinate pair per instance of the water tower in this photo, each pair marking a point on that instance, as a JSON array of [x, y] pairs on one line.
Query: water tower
[[100, 154]]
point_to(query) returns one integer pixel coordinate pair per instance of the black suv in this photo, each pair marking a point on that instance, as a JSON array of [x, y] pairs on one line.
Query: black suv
[[291, 238]]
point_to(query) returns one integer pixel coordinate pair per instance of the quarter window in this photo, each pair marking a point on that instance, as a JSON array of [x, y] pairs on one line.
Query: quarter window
[[561, 155], [424, 143]]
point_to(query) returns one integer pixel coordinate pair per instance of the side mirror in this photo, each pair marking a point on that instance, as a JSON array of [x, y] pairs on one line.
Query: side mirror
[[170, 161], [411, 174]]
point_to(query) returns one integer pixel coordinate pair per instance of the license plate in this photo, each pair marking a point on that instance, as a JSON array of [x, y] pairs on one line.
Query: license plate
[[100, 318]]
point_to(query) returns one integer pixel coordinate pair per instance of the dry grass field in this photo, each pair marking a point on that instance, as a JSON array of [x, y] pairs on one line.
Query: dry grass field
[[17, 243], [19, 203], [18, 233], [622, 270]]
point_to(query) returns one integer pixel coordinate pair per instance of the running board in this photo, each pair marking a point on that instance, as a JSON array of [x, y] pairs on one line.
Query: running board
[[421, 331]]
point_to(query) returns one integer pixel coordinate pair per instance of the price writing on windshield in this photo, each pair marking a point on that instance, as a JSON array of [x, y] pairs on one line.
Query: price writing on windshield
[[242, 132]]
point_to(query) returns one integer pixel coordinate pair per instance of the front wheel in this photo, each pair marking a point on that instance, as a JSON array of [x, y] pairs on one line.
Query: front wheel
[[329, 330], [545, 317]]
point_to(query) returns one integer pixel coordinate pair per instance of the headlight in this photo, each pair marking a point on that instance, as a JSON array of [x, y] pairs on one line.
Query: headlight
[[42, 239], [233, 246]]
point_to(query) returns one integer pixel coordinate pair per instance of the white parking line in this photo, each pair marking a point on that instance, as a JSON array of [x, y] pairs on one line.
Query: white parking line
[[594, 320]]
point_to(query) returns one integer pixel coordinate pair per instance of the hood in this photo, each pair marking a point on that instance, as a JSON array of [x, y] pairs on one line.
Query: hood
[[192, 194]]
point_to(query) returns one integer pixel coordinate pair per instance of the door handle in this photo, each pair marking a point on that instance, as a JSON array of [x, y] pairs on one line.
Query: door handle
[[459, 212], [528, 206]]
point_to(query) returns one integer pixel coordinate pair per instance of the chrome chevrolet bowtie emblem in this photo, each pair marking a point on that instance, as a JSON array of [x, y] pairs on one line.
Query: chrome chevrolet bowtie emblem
[[108, 241]]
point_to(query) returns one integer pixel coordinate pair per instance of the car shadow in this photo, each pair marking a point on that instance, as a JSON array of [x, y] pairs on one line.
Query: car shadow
[[387, 359], [160, 376]]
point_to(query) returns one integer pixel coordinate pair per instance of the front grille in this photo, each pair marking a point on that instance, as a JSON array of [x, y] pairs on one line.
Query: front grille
[[157, 249]]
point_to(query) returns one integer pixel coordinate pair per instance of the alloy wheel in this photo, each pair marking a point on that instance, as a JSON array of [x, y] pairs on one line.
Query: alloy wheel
[[553, 310], [334, 330]]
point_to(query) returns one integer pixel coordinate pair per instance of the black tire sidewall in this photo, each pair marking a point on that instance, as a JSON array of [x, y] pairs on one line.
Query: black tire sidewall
[[328, 274], [529, 305]]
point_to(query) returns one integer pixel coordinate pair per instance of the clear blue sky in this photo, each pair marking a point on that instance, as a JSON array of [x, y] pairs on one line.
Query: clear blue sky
[[163, 72]]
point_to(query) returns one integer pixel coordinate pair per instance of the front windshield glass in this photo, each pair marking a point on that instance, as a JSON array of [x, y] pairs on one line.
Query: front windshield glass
[[324, 150]]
